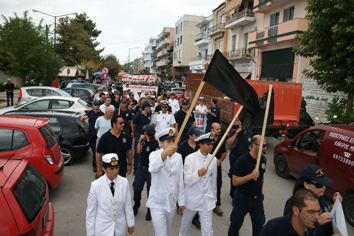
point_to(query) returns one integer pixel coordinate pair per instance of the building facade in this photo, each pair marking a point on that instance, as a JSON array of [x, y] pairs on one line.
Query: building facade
[[147, 53]]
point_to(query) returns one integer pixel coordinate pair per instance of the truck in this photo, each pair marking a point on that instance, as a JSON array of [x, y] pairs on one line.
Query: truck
[[289, 118]]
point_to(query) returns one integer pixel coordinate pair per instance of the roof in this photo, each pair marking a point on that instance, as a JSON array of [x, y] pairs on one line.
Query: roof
[[47, 112], [12, 120], [9, 167], [73, 72]]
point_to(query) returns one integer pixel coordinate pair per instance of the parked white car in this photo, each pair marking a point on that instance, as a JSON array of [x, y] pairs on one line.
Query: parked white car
[[29, 93], [52, 103]]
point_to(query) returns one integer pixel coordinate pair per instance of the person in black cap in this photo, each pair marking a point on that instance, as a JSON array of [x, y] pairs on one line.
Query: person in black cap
[[200, 190], [167, 186], [127, 116], [116, 100], [303, 219], [313, 178], [180, 115], [147, 144], [109, 207], [248, 197], [92, 115], [140, 119]]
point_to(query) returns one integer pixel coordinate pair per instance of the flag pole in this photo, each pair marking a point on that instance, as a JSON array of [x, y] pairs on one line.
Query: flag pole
[[180, 131], [264, 126], [224, 137]]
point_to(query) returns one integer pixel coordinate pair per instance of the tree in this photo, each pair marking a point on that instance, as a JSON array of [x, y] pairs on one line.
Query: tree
[[6, 60], [111, 62], [328, 42], [32, 51]]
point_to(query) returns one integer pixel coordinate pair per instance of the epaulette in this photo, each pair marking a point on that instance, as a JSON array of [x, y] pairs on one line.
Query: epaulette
[[170, 113], [156, 113], [123, 132]]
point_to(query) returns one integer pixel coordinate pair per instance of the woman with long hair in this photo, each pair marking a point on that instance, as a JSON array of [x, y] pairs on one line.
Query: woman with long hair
[[147, 144]]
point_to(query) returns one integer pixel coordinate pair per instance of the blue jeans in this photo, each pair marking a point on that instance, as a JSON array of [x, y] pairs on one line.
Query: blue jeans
[[136, 155], [8, 97]]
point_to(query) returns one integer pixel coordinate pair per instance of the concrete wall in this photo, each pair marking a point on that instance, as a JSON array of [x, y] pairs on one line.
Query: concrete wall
[[16, 81], [317, 98]]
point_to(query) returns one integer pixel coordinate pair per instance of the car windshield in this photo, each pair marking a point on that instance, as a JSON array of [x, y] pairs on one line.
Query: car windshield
[[29, 192]]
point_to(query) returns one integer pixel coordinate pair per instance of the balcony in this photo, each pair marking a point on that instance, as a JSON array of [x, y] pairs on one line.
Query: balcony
[[202, 60], [161, 53], [161, 63], [201, 39], [216, 29], [285, 31], [244, 17], [262, 6], [241, 53]]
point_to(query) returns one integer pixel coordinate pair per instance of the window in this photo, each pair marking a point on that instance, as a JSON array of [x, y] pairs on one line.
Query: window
[[233, 44], [181, 40], [54, 123], [12, 140], [246, 40], [310, 141], [49, 135], [38, 105], [35, 92], [274, 19], [49, 92], [220, 45], [61, 104], [221, 17], [177, 41], [181, 26], [180, 55], [288, 13], [29, 192]]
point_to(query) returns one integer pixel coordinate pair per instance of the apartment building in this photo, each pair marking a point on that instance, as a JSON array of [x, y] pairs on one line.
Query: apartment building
[[147, 53], [278, 22], [162, 56], [202, 41], [184, 48], [240, 21], [217, 32]]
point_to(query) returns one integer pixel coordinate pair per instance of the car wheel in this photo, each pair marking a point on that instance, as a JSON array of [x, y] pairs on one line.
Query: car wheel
[[281, 167], [348, 208], [68, 155]]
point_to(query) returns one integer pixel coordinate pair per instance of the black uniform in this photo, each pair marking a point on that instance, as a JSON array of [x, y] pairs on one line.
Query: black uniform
[[211, 119], [179, 117], [92, 134], [222, 150]]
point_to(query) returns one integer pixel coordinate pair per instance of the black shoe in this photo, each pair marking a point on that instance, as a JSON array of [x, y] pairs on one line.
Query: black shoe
[[136, 208], [196, 222], [148, 216]]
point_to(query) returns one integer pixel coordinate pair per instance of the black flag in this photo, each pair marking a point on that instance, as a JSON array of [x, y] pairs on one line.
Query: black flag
[[223, 76]]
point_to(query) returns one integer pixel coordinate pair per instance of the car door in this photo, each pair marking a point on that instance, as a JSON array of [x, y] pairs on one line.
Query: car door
[[37, 105], [306, 150], [14, 142]]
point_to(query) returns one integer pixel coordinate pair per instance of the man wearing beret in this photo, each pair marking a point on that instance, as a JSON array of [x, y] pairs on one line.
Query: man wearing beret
[[200, 191], [109, 207], [167, 186]]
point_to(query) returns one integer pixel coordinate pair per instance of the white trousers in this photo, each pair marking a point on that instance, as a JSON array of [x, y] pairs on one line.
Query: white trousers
[[162, 221], [206, 221]]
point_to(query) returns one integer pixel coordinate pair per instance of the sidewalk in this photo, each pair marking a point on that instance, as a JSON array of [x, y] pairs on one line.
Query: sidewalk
[[3, 102]]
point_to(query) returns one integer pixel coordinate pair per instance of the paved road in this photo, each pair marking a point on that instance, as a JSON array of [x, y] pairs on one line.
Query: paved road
[[69, 200]]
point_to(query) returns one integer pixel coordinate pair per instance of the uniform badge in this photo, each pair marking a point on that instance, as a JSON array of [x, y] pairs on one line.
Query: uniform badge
[[127, 115], [263, 166], [147, 148], [171, 134], [90, 195], [124, 140], [211, 137], [186, 168], [114, 161], [249, 139]]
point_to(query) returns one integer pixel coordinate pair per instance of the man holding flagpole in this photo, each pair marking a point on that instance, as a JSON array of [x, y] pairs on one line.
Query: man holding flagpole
[[248, 198]]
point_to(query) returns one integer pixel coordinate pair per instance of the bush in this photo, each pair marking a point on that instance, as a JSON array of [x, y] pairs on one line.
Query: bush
[[337, 107], [1, 84]]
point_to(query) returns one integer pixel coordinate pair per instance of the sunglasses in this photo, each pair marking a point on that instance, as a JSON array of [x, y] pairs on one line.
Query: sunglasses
[[96, 104], [317, 185], [185, 103]]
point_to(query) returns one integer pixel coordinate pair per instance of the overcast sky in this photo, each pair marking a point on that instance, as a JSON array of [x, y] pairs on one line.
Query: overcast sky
[[124, 24]]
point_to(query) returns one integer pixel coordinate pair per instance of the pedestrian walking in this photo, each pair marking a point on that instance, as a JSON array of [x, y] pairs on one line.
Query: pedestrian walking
[[173, 102], [248, 198], [9, 88], [147, 144], [167, 186], [103, 124], [179, 117], [200, 191], [109, 207], [106, 104]]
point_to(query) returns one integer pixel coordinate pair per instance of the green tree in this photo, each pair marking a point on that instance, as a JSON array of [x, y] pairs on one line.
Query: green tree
[[6, 60], [32, 51], [328, 42], [110, 61]]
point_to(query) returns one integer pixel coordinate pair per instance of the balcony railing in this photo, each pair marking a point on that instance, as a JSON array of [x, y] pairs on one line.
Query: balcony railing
[[238, 15], [239, 53], [216, 28], [273, 30], [200, 36], [201, 58], [260, 34]]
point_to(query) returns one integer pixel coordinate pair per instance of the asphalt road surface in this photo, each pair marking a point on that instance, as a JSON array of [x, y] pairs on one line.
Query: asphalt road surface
[[69, 200]]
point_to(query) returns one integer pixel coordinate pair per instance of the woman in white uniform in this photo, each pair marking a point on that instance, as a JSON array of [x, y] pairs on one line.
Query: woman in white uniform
[[109, 207], [167, 185]]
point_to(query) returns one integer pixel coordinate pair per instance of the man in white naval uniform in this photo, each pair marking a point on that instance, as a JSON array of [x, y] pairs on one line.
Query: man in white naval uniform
[[200, 191], [167, 185], [174, 104], [163, 119], [109, 207]]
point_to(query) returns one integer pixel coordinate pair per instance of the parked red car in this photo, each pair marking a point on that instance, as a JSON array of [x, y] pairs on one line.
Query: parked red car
[[34, 140], [329, 146], [24, 200]]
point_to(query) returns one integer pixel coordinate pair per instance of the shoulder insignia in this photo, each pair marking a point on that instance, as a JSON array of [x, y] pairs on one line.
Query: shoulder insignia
[[156, 113], [170, 113], [123, 132], [186, 168]]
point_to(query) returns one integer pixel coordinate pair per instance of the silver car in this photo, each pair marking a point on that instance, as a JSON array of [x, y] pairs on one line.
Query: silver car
[[29, 93]]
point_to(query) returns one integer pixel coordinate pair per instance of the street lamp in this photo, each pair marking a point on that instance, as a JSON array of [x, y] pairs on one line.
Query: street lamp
[[129, 57], [55, 22]]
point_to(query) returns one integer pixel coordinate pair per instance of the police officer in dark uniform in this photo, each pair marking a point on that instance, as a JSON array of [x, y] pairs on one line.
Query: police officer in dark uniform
[[147, 144], [127, 116], [179, 117], [248, 198], [116, 141], [213, 114], [92, 116]]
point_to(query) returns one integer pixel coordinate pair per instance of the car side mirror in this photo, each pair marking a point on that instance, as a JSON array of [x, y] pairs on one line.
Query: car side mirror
[[293, 142]]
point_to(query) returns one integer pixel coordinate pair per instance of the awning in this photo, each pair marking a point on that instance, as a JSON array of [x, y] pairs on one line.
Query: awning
[[65, 69], [244, 74]]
